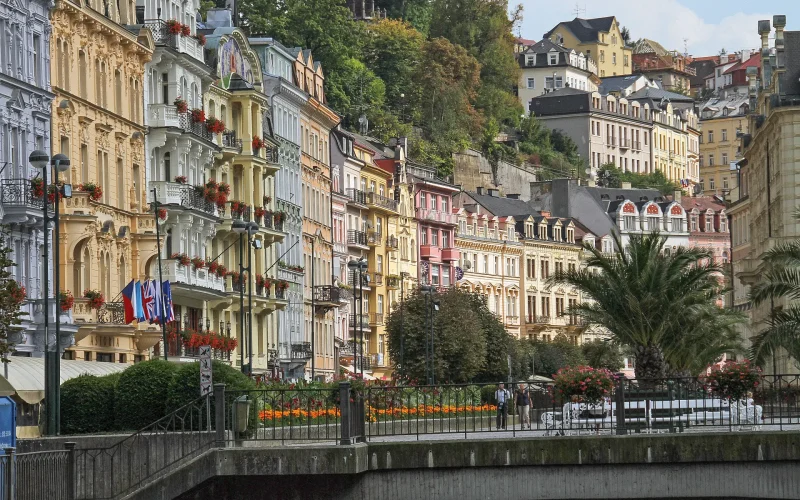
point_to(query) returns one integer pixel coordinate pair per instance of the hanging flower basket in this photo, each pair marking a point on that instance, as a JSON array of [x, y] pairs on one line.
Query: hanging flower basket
[[180, 105], [96, 299], [224, 188], [215, 126], [174, 27], [198, 263], [198, 115], [17, 293], [66, 300], [182, 258], [201, 39], [37, 187], [257, 143], [181, 179], [94, 190]]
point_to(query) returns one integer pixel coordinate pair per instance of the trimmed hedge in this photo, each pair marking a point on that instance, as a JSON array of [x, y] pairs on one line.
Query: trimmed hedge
[[142, 393], [185, 386], [87, 404]]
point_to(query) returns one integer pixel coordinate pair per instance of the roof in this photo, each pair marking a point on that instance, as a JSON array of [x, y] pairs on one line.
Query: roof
[[563, 91], [702, 203], [501, 206], [717, 106], [715, 59], [754, 61], [585, 30], [646, 46], [544, 46], [26, 375], [617, 83], [611, 203], [524, 41], [657, 94]]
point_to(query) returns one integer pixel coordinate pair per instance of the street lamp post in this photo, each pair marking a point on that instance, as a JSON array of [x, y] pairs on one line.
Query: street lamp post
[[242, 227], [403, 276], [60, 162], [359, 267], [318, 235]]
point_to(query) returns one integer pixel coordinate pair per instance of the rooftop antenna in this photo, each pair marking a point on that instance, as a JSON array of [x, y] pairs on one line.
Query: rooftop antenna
[[685, 47], [579, 10]]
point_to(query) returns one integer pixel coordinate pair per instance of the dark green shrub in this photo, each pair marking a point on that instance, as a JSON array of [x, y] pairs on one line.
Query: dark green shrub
[[185, 386], [142, 393], [87, 404]]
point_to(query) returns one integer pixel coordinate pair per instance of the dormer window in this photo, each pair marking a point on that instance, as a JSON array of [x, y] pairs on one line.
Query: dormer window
[[510, 233], [570, 235], [542, 231], [557, 233], [553, 59], [529, 60]]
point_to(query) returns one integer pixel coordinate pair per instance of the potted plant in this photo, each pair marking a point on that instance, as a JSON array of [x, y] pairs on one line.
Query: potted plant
[[733, 380], [96, 299], [583, 384], [198, 115], [162, 215], [174, 27], [95, 191], [181, 179], [238, 208], [215, 126], [212, 266], [186, 30], [259, 213], [234, 276], [222, 271], [66, 300], [180, 105], [267, 200], [37, 187], [201, 39], [257, 144], [259, 284], [279, 217], [198, 262], [182, 258]]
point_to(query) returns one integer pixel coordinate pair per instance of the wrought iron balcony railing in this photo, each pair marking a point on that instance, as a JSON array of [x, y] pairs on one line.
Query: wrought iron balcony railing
[[357, 196]]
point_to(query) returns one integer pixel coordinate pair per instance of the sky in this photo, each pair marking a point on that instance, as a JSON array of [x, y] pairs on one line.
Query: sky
[[706, 25]]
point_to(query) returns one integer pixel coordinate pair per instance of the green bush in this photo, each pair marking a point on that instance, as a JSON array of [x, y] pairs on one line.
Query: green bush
[[142, 393], [87, 404], [185, 386]]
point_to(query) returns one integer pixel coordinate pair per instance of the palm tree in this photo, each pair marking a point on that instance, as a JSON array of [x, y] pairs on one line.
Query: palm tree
[[780, 280], [659, 305]]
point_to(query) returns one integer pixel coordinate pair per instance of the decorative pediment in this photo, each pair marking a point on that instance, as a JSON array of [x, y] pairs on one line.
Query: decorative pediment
[[17, 100]]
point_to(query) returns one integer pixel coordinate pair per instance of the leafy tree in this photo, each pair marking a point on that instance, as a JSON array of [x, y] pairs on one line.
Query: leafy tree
[[654, 303], [609, 176], [357, 92], [549, 357], [417, 13], [625, 33], [12, 294], [469, 341], [603, 354]]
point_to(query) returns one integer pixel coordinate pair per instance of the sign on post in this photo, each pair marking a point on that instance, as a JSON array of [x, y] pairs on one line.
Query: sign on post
[[206, 383], [8, 423]]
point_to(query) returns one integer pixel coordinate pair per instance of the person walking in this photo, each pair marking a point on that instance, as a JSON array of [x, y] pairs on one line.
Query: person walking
[[523, 402], [502, 397]]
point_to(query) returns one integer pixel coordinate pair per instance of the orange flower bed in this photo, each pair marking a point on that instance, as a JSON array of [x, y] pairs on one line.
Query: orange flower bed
[[375, 414], [267, 415]]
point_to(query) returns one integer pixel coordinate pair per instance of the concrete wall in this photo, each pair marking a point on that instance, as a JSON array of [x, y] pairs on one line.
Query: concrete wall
[[473, 170]]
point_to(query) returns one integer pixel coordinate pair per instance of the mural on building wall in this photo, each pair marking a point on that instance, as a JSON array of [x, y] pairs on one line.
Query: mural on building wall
[[233, 61]]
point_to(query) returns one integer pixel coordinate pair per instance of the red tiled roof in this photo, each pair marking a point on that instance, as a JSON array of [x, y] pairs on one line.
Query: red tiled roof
[[753, 62], [525, 41], [701, 203], [707, 58]]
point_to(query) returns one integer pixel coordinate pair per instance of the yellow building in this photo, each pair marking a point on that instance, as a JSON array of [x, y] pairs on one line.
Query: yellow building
[[107, 235], [720, 121], [316, 123], [599, 39], [670, 141]]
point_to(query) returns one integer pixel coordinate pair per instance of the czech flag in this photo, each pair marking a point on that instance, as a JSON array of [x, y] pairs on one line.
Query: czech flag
[[129, 302]]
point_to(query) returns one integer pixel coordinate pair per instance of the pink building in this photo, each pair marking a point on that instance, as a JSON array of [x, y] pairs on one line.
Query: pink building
[[708, 228], [436, 225]]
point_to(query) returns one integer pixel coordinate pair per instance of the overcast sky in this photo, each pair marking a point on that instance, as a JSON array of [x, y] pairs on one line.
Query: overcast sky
[[707, 25]]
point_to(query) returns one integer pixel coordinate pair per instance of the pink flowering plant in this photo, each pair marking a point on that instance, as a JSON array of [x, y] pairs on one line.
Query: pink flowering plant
[[583, 383], [733, 380]]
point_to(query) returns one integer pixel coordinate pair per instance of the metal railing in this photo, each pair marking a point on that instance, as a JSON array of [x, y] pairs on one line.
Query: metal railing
[[111, 313], [19, 192], [193, 198], [198, 129], [326, 293], [302, 350], [229, 141], [356, 196], [374, 238], [382, 201], [356, 237], [41, 475]]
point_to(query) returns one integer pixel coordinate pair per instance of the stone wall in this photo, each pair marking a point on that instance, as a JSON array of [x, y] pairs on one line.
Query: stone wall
[[472, 170]]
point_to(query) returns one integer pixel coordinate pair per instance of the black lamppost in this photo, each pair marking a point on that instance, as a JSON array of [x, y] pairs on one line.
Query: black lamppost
[[358, 268], [433, 305], [317, 236], [241, 227], [403, 276], [52, 367]]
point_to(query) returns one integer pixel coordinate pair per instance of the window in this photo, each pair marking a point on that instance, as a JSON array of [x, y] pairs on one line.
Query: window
[[614, 58], [444, 205], [548, 82], [676, 225], [711, 185], [553, 59], [546, 306], [435, 237], [724, 183], [652, 223], [445, 239], [104, 357], [709, 224], [711, 161], [625, 60], [723, 223], [559, 306], [710, 136], [724, 158], [559, 82], [630, 222], [725, 131], [531, 83], [694, 222], [36, 63], [83, 70], [701, 160]]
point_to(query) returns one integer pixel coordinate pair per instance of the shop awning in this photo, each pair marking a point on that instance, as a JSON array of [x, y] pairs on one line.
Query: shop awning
[[24, 377]]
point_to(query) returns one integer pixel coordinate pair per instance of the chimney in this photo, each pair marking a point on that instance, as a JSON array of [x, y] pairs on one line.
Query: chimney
[[514, 196], [626, 185], [779, 22], [545, 213], [494, 192], [479, 190], [676, 196], [219, 18]]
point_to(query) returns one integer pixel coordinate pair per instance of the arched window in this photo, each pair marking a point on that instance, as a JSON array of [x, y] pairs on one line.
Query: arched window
[[83, 71], [81, 267], [167, 166], [196, 96], [123, 273], [59, 62], [98, 83], [107, 276]]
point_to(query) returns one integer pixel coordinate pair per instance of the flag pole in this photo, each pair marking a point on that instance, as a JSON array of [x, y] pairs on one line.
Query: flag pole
[[160, 276]]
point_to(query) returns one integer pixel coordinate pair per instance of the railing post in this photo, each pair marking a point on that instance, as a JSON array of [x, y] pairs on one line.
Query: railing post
[[344, 413], [219, 414], [619, 398], [11, 476], [70, 447]]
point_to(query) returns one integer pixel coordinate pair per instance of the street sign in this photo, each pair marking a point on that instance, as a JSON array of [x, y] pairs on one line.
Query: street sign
[[8, 423], [206, 382]]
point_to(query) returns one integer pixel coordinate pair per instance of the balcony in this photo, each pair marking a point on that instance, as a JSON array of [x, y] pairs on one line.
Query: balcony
[[198, 129], [352, 279], [177, 349], [356, 197], [163, 115], [327, 296], [184, 44], [425, 214], [20, 206], [543, 320], [376, 319], [377, 279], [188, 197], [374, 238], [359, 320], [110, 313], [636, 145], [376, 200], [612, 141], [190, 282], [357, 239], [378, 360], [392, 282], [392, 243], [302, 350], [450, 254], [230, 144], [430, 252], [512, 320], [624, 143]]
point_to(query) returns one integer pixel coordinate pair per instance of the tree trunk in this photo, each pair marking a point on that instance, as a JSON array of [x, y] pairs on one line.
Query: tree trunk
[[650, 363]]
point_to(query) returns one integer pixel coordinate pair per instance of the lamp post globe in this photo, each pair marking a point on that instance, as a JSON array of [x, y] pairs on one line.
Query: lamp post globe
[[39, 159], [61, 162], [239, 226]]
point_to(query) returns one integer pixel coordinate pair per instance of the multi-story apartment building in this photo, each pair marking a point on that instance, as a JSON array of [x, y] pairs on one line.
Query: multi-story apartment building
[[25, 108], [599, 39], [286, 100], [722, 121], [767, 201], [606, 128], [668, 67], [490, 252], [546, 66], [107, 237], [316, 123], [720, 77], [709, 228]]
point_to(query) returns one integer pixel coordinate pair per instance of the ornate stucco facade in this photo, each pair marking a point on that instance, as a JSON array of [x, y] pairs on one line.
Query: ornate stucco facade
[[98, 69]]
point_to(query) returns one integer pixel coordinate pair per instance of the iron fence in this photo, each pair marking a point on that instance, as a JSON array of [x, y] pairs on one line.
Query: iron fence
[[41, 475], [105, 473]]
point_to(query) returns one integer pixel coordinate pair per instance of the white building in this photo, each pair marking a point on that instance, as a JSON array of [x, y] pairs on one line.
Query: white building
[[547, 66]]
